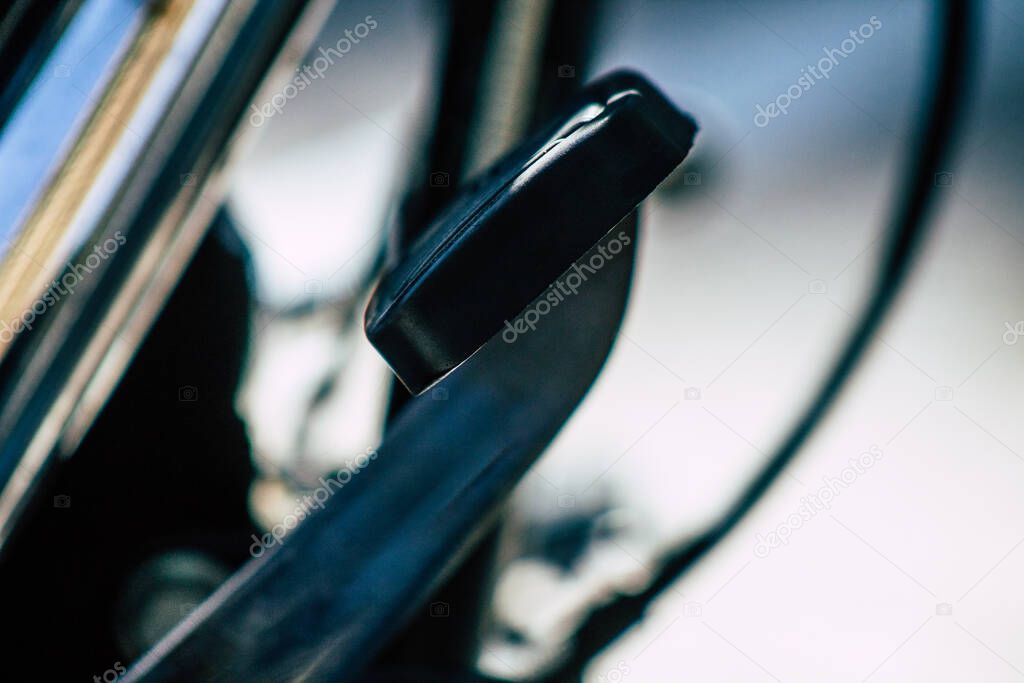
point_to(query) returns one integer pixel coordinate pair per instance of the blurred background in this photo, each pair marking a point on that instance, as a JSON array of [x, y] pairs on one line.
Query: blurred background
[[885, 553], [753, 260]]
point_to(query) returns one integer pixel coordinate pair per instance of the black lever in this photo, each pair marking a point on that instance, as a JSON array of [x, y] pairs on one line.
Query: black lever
[[514, 231], [321, 603]]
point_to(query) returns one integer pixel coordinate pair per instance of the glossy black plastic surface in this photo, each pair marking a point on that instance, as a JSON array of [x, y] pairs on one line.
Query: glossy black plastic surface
[[512, 232]]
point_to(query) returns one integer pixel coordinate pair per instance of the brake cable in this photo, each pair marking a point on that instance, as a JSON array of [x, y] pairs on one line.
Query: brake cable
[[955, 23]]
